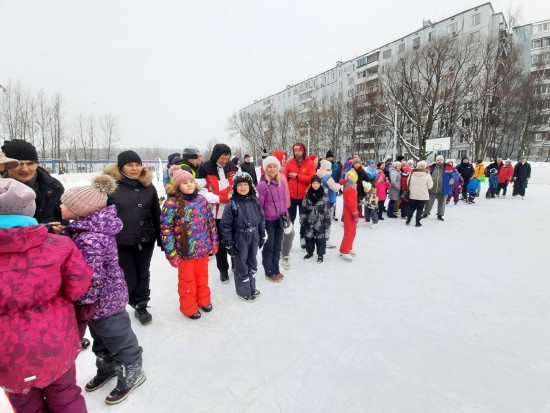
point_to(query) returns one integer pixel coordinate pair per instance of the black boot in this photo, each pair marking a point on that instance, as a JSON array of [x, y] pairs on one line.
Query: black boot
[[408, 221], [129, 377], [308, 256], [142, 314], [319, 259], [207, 308], [84, 343], [224, 277], [440, 217], [106, 370]]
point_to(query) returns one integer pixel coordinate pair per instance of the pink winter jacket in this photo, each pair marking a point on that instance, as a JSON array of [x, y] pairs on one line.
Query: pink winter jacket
[[41, 275], [381, 188]]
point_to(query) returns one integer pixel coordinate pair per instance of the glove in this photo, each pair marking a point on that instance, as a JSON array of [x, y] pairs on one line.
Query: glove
[[230, 247], [174, 261], [355, 218], [451, 181], [261, 243]]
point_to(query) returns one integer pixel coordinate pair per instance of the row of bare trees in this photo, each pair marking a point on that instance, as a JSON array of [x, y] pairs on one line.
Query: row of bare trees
[[40, 119], [473, 89]]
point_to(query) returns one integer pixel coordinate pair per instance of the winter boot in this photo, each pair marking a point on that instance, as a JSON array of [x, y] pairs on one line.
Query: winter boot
[[256, 293], [285, 262], [440, 217], [320, 259], [84, 343], [142, 314], [408, 221], [195, 316], [248, 298], [106, 370], [346, 257], [308, 256], [207, 308], [129, 377], [224, 277]]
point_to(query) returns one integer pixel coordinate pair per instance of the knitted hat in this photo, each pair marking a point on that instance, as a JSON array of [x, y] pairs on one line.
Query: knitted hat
[[20, 150], [329, 154], [315, 178], [269, 160], [127, 157], [449, 161], [85, 200], [190, 153], [179, 175], [240, 177], [16, 198], [311, 157], [439, 158], [421, 165], [325, 165], [508, 161], [280, 155], [371, 162], [355, 159], [8, 163], [396, 164], [351, 175], [174, 158]]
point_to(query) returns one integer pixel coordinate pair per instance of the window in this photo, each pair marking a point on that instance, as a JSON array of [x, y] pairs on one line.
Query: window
[[361, 62], [476, 19], [537, 43], [452, 28], [373, 57], [465, 123], [386, 54], [416, 43], [432, 35], [543, 27], [401, 48], [462, 153], [546, 41]]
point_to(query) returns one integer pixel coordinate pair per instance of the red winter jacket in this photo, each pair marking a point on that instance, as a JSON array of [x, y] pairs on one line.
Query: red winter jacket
[[305, 170], [505, 174], [350, 200], [41, 275]]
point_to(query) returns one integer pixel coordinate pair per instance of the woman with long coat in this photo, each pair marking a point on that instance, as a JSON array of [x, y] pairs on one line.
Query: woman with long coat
[[522, 173], [138, 207], [420, 181], [395, 188]]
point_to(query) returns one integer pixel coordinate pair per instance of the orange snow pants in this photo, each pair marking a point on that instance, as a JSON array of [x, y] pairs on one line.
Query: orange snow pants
[[193, 285]]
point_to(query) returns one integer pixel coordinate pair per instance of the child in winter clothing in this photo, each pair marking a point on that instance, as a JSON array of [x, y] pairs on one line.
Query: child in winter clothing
[[188, 233], [315, 217], [93, 230], [243, 232], [350, 215], [332, 188], [457, 184], [41, 275], [371, 205], [382, 186], [472, 189], [504, 176], [493, 183]]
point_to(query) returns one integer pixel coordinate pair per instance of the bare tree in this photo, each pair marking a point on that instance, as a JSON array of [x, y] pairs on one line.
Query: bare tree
[[43, 118], [109, 128]]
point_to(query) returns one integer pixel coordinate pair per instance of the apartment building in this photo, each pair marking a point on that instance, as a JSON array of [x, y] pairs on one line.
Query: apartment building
[[351, 79]]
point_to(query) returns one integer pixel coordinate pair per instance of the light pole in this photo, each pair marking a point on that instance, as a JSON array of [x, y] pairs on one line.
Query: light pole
[[395, 134], [308, 136]]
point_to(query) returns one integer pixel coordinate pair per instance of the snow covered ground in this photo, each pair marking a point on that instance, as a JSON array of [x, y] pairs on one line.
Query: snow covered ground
[[450, 317]]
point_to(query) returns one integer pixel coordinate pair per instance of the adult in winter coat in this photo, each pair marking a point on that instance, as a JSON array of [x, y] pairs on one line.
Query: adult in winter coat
[[93, 230], [216, 181], [395, 188], [466, 170], [497, 164], [48, 190], [190, 160], [299, 171], [315, 218], [371, 170], [505, 175], [522, 173], [249, 168], [443, 181], [420, 182], [272, 193], [243, 232], [138, 208], [41, 275]]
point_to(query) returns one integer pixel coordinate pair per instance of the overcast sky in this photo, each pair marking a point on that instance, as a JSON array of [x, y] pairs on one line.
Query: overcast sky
[[174, 71]]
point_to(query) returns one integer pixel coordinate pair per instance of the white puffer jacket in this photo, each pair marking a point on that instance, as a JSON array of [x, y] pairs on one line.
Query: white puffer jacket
[[419, 184]]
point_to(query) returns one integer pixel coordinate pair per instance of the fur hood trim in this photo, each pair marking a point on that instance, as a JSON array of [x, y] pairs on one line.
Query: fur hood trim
[[146, 177]]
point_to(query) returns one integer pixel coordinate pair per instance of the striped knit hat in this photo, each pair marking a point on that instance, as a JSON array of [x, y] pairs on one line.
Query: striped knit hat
[[85, 200]]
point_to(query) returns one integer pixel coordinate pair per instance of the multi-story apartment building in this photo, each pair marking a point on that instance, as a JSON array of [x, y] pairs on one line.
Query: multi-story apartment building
[[351, 79], [534, 41]]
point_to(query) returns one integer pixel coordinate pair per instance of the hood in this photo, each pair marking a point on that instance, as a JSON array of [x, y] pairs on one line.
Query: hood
[[218, 150], [280, 154], [173, 158], [464, 157], [104, 221], [146, 177], [22, 239]]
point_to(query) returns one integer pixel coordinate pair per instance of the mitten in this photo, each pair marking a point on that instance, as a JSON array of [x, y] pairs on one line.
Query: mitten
[[230, 248], [174, 261]]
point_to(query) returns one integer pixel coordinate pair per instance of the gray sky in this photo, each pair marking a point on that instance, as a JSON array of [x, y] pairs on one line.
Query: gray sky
[[174, 71]]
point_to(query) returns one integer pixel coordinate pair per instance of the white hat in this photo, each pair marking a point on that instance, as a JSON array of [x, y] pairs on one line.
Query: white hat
[[268, 160]]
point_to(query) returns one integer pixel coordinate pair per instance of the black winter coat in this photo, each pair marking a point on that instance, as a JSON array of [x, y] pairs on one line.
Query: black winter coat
[[466, 170], [250, 169], [48, 197], [361, 177], [521, 173], [493, 165], [138, 207]]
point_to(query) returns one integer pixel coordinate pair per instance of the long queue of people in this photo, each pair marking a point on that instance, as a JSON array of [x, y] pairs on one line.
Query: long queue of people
[[73, 259]]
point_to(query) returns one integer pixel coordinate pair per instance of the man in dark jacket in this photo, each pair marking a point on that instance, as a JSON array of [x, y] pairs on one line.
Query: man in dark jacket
[[48, 190], [497, 164], [466, 170], [522, 173], [215, 178], [249, 168]]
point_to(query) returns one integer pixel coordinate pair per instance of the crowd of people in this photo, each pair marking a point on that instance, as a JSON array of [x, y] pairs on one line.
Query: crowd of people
[[73, 259]]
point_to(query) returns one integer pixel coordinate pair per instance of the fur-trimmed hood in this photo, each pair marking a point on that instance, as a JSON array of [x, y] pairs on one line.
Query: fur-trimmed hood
[[146, 177]]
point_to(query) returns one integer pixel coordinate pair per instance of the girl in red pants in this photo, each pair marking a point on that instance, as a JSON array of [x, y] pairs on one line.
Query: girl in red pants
[[188, 233], [350, 215]]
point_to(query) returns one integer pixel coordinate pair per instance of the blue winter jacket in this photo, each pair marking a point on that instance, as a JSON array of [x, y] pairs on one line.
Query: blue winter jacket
[[473, 185], [331, 194], [447, 175], [493, 180]]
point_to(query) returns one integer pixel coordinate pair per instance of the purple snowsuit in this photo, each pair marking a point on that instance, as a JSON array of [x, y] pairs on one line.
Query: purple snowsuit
[[457, 189]]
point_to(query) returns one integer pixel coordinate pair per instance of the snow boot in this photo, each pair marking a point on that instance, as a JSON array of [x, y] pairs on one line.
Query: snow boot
[[256, 293], [142, 314], [320, 259], [285, 262], [195, 316], [207, 308], [308, 256], [224, 277], [440, 217], [346, 257], [248, 298], [106, 370], [129, 377]]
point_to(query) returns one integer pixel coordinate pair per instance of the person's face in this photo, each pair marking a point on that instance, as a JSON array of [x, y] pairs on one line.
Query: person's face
[[439, 162], [398, 167], [187, 187], [67, 214], [223, 159], [356, 165], [316, 161], [200, 159], [315, 185], [382, 167], [242, 188], [24, 172], [247, 159], [298, 153], [523, 161], [330, 159], [132, 169], [272, 170], [194, 162], [465, 161], [283, 162]]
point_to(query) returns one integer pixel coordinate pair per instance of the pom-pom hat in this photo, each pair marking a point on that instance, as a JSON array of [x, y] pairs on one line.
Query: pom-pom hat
[[85, 200], [179, 175]]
